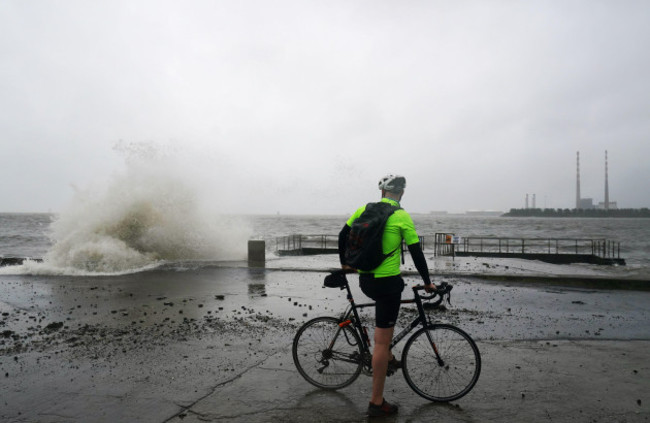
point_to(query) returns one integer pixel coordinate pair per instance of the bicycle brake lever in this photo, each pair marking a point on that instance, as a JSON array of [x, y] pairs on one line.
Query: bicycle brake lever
[[446, 292]]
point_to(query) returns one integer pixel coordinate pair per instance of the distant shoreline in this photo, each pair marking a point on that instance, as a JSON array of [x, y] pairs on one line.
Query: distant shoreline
[[591, 213], [552, 213]]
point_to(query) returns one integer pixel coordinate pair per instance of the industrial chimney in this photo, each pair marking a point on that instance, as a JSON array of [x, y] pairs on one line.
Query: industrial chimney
[[606, 184], [578, 180]]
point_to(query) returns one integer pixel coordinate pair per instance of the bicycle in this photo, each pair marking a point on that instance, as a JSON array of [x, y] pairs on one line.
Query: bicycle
[[440, 362]]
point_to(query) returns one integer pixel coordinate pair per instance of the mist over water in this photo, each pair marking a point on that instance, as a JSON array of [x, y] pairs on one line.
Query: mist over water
[[153, 212]]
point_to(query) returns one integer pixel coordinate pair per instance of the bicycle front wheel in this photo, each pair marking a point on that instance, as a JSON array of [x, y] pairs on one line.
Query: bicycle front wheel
[[441, 362], [326, 354]]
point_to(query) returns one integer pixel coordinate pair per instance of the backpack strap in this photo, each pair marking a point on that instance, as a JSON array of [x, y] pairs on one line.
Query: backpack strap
[[393, 210]]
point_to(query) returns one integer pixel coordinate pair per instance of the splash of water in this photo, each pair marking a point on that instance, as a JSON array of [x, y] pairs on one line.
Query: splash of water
[[148, 215]]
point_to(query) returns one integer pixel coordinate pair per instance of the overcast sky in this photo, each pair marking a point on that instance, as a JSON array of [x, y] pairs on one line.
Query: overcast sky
[[301, 106]]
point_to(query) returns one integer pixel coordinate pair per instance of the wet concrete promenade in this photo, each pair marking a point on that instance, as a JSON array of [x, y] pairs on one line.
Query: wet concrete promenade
[[213, 344], [597, 381]]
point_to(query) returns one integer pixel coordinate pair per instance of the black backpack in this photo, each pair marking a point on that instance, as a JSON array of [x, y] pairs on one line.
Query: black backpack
[[364, 250]]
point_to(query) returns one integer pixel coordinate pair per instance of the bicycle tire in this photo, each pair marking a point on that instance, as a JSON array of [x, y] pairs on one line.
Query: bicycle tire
[[324, 366], [451, 378]]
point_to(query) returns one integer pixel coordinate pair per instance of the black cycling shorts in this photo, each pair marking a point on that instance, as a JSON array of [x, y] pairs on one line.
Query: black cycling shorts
[[387, 294]]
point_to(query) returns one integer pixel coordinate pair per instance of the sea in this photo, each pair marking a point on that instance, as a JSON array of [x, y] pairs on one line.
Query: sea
[[142, 238], [103, 268]]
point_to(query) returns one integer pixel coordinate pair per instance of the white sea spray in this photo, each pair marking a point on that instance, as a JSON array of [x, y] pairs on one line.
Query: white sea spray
[[149, 214]]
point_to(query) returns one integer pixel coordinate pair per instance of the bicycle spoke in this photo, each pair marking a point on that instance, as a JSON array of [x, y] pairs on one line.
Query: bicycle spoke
[[327, 355], [441, 363]]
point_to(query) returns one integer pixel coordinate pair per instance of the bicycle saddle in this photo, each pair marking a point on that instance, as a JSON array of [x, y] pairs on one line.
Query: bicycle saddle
[[335, 280]]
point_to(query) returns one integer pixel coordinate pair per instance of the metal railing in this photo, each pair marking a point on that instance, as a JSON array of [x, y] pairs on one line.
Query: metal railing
[[326, 243], [448, 244], [512, 245], [299, 242]]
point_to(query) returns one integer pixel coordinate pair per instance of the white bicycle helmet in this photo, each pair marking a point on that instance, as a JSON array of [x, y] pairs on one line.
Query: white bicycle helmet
[[392, 183]]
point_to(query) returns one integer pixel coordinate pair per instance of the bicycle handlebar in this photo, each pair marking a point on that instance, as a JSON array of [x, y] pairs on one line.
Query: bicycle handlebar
[[443, 289]]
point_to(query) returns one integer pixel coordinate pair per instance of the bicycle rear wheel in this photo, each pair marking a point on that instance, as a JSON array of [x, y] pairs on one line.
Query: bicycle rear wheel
[[327, 355], [441, 362]]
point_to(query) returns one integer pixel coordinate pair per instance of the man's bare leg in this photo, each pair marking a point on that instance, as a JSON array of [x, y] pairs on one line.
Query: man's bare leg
[[380, 357]]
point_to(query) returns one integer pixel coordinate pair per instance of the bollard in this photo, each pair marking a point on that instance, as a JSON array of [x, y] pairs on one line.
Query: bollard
[[256, 253]]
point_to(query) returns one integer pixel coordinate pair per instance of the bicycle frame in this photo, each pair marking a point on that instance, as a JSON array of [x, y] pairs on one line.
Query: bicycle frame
[[361, 330]]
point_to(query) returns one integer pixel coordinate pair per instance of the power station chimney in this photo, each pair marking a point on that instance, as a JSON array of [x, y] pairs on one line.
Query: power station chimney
[[534, 205], [606, 184], [578, 180], [526, 201]]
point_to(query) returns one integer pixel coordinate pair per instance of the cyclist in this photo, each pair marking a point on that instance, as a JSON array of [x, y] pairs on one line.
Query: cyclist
[[384, 285]]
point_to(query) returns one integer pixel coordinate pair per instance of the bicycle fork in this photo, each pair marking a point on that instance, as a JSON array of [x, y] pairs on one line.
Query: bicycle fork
[[425, 322], [439, 359]]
